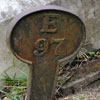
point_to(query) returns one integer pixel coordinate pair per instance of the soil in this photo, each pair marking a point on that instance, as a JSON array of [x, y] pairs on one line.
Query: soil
[[92, 92]]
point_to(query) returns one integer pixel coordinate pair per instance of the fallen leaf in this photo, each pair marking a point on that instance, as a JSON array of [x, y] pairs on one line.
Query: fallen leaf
[[66, 98], [6, 98]]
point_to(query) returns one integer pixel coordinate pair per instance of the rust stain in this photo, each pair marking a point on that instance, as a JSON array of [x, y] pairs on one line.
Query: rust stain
[[54, 68]]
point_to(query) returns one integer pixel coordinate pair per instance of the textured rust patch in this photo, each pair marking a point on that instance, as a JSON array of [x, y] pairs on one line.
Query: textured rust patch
[[36, 26]]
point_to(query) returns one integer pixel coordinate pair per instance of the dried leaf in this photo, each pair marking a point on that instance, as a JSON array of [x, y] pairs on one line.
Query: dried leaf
[[66, 98], [6, 98]]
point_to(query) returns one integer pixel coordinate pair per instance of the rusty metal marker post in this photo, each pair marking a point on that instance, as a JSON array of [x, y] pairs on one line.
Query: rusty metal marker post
[[44, 37]]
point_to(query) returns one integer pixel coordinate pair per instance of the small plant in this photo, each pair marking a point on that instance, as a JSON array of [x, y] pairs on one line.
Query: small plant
[[14, 87], [83, 97], [91, 53]]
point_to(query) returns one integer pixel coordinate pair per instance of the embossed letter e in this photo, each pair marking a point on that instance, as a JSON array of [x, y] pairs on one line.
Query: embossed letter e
[[50, 23]]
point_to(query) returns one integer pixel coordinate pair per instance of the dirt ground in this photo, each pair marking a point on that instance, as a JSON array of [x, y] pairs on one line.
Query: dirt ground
[[92, 92]]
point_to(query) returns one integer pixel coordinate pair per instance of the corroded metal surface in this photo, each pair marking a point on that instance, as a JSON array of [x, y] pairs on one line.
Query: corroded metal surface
[[41, 37]]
